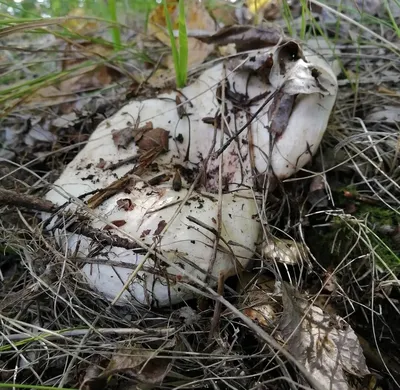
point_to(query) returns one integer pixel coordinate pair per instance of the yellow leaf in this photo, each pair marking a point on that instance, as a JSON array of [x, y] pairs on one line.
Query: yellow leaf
[[197, 18], [256, 6], [79, 25], [265, 9]]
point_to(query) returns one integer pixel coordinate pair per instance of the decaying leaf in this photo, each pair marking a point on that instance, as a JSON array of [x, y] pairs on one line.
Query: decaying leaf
[[197, 18], [160, 227], [91, 76], [122, 138], [77, 23], [227, 14], [48, 96], [141, 363], [265, 9], [260, 300], [245, 37], [39, 132], [388, 114], [152, 139], [326, 345], [280, 111], [90, 381], [65, 120]]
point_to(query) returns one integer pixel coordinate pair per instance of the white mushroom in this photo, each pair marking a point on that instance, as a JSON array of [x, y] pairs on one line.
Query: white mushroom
[[148, 213]]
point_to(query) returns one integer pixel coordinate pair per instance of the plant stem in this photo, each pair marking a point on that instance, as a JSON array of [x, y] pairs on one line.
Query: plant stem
[[112, 7]]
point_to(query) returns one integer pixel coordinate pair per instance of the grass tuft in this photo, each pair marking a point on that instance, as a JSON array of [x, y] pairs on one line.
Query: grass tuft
[[179, 55], [112, 7]]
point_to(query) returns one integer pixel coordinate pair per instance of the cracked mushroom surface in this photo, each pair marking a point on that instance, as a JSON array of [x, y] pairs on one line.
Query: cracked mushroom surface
[[151, 171]]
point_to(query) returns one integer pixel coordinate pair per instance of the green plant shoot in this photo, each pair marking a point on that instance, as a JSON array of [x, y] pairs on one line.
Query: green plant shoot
[[180, 58]]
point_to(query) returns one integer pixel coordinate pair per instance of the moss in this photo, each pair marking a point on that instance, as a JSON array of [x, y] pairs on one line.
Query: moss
[[375, 216]]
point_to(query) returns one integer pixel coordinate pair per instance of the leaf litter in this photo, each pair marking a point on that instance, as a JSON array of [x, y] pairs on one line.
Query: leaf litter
[[359, 157]]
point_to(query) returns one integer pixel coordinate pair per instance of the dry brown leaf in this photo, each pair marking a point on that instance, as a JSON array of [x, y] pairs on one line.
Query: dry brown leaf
[[326, 345], [140, 363], [229, 14], [280, 110], [197, 18], [259, 301], [245, 37], [162, 79], [78, 24], [153, 139], [122, 138], [225, 14], [388, 114], [265, 9], [48, 96], [92, 76]]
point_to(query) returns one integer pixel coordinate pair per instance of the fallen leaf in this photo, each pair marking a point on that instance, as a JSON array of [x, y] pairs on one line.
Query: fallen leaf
[[266, 9], [388, 114], [326, 345], [197, 18], [258, 301], [228, 14], [245, 37], [160, 227], [90, 380], [48, 96], [122, 138], [77, 22], [256, 6], [65, 120], [145, 233], [90, 77], [140, 363], [279, 111], [39, 132], [157, 138]]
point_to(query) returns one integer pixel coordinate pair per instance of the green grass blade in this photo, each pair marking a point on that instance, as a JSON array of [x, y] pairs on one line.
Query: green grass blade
[[175, 54], [27, 386], [112, 7], [287, 16], [392, 19], [183, 45]]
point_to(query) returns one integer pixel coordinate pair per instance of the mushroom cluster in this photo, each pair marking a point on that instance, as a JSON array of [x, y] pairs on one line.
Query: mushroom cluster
[[180, 175]]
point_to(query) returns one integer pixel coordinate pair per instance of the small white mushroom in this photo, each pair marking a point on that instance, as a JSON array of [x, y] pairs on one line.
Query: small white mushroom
[[148, 213]]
